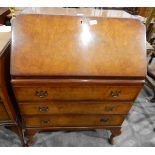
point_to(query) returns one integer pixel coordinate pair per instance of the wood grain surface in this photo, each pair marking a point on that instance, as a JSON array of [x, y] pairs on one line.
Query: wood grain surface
[[77, 46]]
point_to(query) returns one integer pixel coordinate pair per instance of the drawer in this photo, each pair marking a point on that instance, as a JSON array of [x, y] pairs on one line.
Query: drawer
[[3, 114], [125, 93], [76, 107], [73, 120]]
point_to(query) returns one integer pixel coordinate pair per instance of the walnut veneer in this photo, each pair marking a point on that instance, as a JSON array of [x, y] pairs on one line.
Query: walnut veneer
[[76, 73], [8, 110]]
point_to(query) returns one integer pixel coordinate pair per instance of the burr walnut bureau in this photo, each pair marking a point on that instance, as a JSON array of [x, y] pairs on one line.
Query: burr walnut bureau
[[8, 109], [76, 73]]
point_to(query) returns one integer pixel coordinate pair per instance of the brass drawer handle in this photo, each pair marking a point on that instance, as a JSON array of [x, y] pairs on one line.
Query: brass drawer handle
[[45, 122], [41, 94], [104, 120], [109, 109], [115, 93], [43, 109]]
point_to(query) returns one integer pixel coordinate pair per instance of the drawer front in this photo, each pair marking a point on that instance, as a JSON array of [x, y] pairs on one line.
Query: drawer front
[[3, 114], [128, 93], [33, 108], [73, 120]]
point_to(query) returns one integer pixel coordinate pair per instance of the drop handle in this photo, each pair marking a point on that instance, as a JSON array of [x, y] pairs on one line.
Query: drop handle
[[115, 93], [43, 109], [41, 93], [104, 120]]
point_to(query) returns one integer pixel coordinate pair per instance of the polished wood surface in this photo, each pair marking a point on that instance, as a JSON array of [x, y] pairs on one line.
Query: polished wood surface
[[89, 39], [73, 120], [4, 74], [76, 72], [83, 92], [3, 114], [8, 108], [70, 107]]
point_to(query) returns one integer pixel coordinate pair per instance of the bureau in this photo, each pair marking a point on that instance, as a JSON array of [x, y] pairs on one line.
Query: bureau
[[8, 110], [76, 73]]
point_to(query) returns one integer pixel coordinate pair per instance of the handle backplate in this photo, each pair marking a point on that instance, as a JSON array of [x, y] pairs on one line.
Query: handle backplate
[[115, 93], [43, 109], [41, 93]]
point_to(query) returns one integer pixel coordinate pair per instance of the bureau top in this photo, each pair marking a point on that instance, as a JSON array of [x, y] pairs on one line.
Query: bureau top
[[46, 45]]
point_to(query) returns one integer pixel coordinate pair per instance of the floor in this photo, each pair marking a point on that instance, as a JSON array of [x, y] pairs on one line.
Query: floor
[[137, 130]]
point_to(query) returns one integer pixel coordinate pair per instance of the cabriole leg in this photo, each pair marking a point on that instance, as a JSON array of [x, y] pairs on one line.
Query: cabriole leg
[[29, 135], [114, 132]]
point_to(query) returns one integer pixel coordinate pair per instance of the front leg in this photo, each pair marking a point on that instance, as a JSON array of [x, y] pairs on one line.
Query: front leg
[[115, 131], [29, 135]]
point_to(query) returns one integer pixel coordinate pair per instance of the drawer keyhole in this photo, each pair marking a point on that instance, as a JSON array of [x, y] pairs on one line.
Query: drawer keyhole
[[41, 94], [115, 93], [43, 109]]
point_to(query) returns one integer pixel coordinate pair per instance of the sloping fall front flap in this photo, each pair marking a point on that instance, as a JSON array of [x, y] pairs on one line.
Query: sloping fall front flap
[[54, 45]]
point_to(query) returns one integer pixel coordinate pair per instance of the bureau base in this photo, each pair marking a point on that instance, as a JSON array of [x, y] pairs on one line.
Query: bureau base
[[30, 132]]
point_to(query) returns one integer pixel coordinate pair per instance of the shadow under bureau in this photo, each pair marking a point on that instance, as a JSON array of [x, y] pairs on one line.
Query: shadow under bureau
[[76, 73]]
